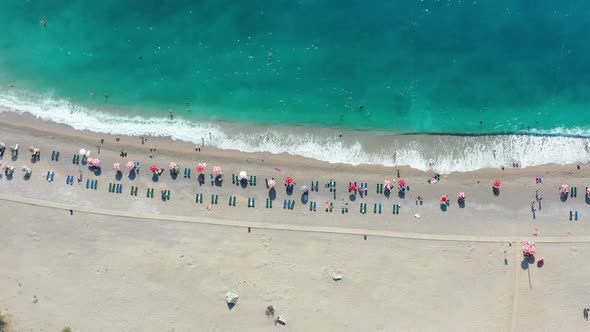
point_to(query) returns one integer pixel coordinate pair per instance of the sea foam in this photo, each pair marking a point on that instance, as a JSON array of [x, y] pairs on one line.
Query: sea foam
[[441, 153]]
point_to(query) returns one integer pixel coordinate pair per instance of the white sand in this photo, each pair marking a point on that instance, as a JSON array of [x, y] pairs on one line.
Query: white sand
[[99, 271]]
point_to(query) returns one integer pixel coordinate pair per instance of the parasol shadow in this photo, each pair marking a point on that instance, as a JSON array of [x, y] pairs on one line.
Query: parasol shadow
[[272, 194], [131, 175]]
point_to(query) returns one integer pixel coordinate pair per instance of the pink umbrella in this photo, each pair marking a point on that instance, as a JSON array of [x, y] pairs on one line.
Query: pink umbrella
[[201, 168], [402, 183], [564, 188], [444, 199], [497, 184], [461, 195], [95, 162], [271, 183], [588, 191], [387, 184], [154, 169], [217, 170], [117, 166], [173, 165], [130, 165], [89, 161], [289, 180], [529, 248]]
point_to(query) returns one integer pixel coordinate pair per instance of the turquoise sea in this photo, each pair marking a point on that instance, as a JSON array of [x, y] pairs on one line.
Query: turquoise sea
[[435, 67]]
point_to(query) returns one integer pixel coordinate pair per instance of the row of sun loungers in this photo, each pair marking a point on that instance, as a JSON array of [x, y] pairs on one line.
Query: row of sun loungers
[[150, 193], [288, 204], [312, 206], [133, 191], [55, 155], [232, 201], [115, 188], [165, 195], [251, 202], [314, 186], [574, 215], [91, 184], [76, 159], [187, 172], [50, 176], [70, 180]]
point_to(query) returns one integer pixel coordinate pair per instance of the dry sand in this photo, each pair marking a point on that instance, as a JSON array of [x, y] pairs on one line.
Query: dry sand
[[124, 263]]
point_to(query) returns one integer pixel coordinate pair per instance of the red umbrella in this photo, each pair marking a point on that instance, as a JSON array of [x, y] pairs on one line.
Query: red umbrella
[[289, 180], [351, 187], [444, 199], [154, 169], [497, 184], [200, 168], [402, 183], [217, 170]]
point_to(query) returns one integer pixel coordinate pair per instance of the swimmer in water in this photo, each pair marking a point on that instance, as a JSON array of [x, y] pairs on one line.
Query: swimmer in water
[[44, 21], [106, 95], [362, 106], [269, 56]]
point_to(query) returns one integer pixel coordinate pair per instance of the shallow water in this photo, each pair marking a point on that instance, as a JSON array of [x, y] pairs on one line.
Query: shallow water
[[414, 66]]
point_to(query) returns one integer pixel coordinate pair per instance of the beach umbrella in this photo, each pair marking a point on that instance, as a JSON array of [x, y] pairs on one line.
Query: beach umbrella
[[461, 195], [130, 165], [588, 191], [497, 184], [89, 161], [402, 183], [95, 162], [117, 166], [303, 188], [565, 188], [243, 175], [351, 187], [201, 167], [529, 248], [271, 183], [289, 180], [387, 184], [173, 165], [217, 170], [83, 152], [444, 199], [154, 169], [87, 153]]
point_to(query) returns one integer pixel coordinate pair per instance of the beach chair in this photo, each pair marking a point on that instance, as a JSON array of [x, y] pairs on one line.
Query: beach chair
[[52, 176], [251, 181], [168, 196], [120, 188], [374, 208], [110, 187], [131, 191], [147, 194], [212, 179], [266, 181], [379, 208], [310, 206], [330, 186], [135, 193], [292, 204], [255, 180], [229, 201], [234, 202], [57, 156], [185, 172], [575, 191], [87, 183], [216, 199], [188, 174], [576, 215], [331, 206], [571, 215], [95, 184], [314, 206], [152, 193], [312, 186], [253, 202], [233, 179], [212, 199], [249, 202], [53, 155], [284, 204]]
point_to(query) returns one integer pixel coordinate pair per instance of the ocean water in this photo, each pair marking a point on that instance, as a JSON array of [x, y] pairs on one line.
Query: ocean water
[[280, 71]]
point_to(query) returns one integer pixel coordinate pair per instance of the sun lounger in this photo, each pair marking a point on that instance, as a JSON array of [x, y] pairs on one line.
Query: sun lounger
[[234, 202], [255, 180], [57, 156], [249, 202], [168, 195], [95, 184], [575, 191], [212, 199], [253, 202], [284, 204], [52, 176], [185, 172], [131, 191], [110, 187], [120, 188], [331, 206], [87, 183], [266, 181], [571, 215], [233, 179], [310, 206], [314, 206], [292, 204], [53, 155], [375, 208], [379, 208], [576, 215], [147, 194]]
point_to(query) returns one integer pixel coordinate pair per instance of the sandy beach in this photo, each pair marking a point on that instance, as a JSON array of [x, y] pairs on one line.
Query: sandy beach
[[119, 262]]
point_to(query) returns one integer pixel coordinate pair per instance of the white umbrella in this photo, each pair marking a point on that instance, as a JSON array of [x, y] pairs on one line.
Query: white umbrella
[[83, 152], [243, 175]]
